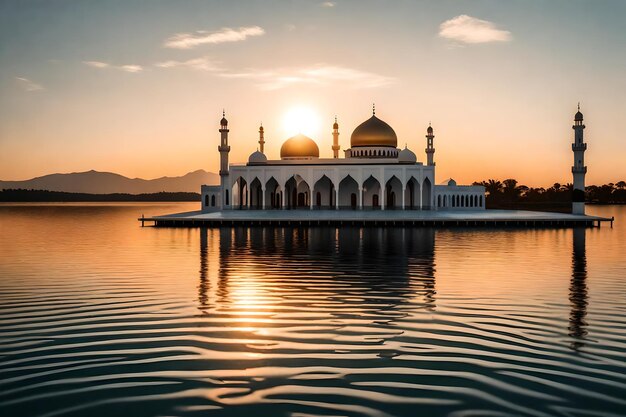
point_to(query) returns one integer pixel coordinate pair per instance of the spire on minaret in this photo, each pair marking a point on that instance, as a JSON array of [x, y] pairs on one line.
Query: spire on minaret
[[335, 146], [578, 169], [373, 109], [261, 139]]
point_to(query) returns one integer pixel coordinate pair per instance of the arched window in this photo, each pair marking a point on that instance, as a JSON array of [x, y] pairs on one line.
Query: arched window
[[438, 201], [227, 197], [206, 200], [213, 200], [318, 199], [480, 201]]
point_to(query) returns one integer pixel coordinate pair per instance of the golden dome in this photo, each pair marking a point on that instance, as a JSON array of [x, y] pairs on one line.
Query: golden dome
[[374, 132], [299, 146]]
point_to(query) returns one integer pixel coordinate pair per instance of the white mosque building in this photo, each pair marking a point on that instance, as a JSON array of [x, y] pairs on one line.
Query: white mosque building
[[373, 174]]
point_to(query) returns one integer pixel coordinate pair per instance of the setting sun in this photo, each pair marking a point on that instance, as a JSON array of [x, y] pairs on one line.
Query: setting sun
[[301, 120]]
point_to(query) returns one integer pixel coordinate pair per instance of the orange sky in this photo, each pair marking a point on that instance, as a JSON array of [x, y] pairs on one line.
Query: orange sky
[[102, 87]]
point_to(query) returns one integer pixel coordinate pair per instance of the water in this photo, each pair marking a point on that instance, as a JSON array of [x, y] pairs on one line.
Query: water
[[100, 317]]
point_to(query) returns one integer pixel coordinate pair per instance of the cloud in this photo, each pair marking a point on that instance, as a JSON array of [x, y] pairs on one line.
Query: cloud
[[202, 64], [328, 4], [470, 30], [131, 68], [191, 40], [28, 85], [102, 65], [315, 75], [96, 64]]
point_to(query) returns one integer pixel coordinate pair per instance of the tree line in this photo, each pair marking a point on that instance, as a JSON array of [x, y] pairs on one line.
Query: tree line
[[22, 195], [509, 192]]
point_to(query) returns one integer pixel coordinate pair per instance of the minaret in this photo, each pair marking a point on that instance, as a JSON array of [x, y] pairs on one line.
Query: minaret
[[261, 140], [578, 169], [335, 139], [224, 149], [430, 148]]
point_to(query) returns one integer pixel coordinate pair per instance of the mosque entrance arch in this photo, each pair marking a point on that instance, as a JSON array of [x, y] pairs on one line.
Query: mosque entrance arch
[[393, 188], [412, 194], [256, 194], [298, 192], [371, 193], [348, 187], [324, 192], [426, 194], [272, 194], [240, 193]]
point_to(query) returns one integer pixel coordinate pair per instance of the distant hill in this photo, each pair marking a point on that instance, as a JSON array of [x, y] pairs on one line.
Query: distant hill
[[94, 182]]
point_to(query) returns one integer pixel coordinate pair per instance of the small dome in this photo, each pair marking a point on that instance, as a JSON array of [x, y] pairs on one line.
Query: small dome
[[335, 125], [578, 116], [374, 132], [257, 158], [430, 129], [224, 122], [406, 155], [449, 182], [299, 146]]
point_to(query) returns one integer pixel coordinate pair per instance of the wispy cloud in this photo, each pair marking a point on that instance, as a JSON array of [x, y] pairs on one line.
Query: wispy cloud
[[202, 64], [102, 65], [328, 4], [470, 30], [131, 68], [28, 85], [319, 75], [202, 37], [96, 64]]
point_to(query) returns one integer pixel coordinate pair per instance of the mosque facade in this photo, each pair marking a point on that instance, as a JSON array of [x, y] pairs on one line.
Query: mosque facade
[[373, 174]]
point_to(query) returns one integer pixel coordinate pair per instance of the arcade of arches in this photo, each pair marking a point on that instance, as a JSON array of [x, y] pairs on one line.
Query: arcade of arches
[[296, 193]]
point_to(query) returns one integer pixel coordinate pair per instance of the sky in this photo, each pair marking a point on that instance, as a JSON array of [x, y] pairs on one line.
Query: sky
[[137, 87]]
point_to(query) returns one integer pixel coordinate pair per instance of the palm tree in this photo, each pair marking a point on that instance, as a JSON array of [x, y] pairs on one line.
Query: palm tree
[[493, 187], [621, 185]]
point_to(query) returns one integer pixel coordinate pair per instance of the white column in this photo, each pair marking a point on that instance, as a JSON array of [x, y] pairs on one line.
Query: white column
[[421, 189], [360, 198], [337, 198], [263, 198], [403, 191]]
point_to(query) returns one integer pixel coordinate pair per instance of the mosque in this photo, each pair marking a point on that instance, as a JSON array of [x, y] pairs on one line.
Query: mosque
[[373, 174]]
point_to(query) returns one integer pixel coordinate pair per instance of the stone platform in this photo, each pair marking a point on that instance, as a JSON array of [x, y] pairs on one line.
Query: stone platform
[[426, 218]]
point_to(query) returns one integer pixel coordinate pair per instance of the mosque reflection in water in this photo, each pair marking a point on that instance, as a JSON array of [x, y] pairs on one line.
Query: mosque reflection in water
[[380, 272]]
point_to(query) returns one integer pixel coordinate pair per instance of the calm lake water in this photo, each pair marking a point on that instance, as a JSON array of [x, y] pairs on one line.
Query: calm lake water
[[100, 317]]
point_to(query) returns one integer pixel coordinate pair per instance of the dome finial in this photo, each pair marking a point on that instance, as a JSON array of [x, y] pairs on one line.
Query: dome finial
[[335, 118], [223, 112], [579, 106], [373, 109]]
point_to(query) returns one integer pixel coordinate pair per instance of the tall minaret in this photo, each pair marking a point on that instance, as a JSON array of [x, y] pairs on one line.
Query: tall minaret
[[261, 139], [579, 169], [430, 148], [224, 149], [335, 139]]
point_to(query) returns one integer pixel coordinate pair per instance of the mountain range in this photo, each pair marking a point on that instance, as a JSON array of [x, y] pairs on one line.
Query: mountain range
[[95, 182]]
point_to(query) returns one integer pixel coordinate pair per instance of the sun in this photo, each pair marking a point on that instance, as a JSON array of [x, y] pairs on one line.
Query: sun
[[301, 120]]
